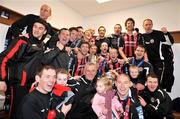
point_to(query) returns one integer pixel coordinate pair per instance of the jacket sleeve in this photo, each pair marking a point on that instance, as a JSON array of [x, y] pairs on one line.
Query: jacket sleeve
[[169, 37], [95, 105], [163, 109], [14, 52], [18, 26], [50, 54]]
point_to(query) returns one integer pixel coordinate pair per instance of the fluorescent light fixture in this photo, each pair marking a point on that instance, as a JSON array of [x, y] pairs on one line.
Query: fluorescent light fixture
[[103, 1]]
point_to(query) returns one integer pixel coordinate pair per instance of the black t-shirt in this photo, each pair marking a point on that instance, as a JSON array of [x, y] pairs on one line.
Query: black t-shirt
[[35, 105]]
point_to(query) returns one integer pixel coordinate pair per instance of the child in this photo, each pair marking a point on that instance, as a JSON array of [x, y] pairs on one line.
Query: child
[[61, 94], [101, 103], [136, 78]]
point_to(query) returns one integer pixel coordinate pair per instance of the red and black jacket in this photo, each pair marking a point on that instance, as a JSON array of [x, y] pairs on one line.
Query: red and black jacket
[[21, 59]]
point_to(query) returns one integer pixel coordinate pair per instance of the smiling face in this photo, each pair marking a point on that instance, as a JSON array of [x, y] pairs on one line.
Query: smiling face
[[152, 83], [90, 71], [139, 52], [84, 48], [62, 79], [123, 85], [134, 71], [46, 80]]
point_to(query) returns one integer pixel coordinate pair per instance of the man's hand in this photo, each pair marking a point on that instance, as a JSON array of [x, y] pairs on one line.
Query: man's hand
[[142, 101], [65, 108], [3, 86], [59, 45], [164, 30]]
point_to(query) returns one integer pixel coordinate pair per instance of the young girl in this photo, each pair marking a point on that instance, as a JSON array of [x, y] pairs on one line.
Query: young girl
[[102, 101]]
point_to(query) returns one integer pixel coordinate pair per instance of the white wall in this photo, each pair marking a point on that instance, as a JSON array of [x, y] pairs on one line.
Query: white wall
[[62, 16], [176, 88], [163, 14]]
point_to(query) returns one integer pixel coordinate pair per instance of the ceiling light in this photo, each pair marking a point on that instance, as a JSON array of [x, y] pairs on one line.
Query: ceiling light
[[103, 1]]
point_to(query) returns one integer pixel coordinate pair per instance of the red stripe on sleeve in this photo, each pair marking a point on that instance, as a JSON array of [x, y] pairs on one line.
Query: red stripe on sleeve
[[9, 56], [23, 81]]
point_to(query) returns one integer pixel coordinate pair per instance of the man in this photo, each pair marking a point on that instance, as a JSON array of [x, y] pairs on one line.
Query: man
[[35, 105], [80, 32], [156, 102], [128, 99], [116, 38], [145, 68], [58, 56], [115, 63], [74, 42], [101, 38], [22, 58], [153, 40], [27, 21], [77, 62], [130, 41], [84, 90]]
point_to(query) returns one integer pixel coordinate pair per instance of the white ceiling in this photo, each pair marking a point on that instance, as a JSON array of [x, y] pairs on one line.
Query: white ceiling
[[91, 7]]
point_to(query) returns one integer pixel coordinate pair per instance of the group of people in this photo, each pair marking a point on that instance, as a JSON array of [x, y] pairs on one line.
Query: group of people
[[75, 75]]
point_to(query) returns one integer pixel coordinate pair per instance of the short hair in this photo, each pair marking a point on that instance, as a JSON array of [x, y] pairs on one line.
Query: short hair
[[84, 42], [102, 27], [61, 71], [148, 20], [43, 22], [124, 75], [90, 64], [152, 75], [113, 49], [141, 46], [63, 29], [44, 67], [106, 81], [118, 25], [73, 28], [129, 19], [93, 45], [79, 27], [136, 29], [133, 67]]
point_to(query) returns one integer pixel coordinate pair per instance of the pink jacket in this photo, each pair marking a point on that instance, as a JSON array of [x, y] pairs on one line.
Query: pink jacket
[[102, 102]]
